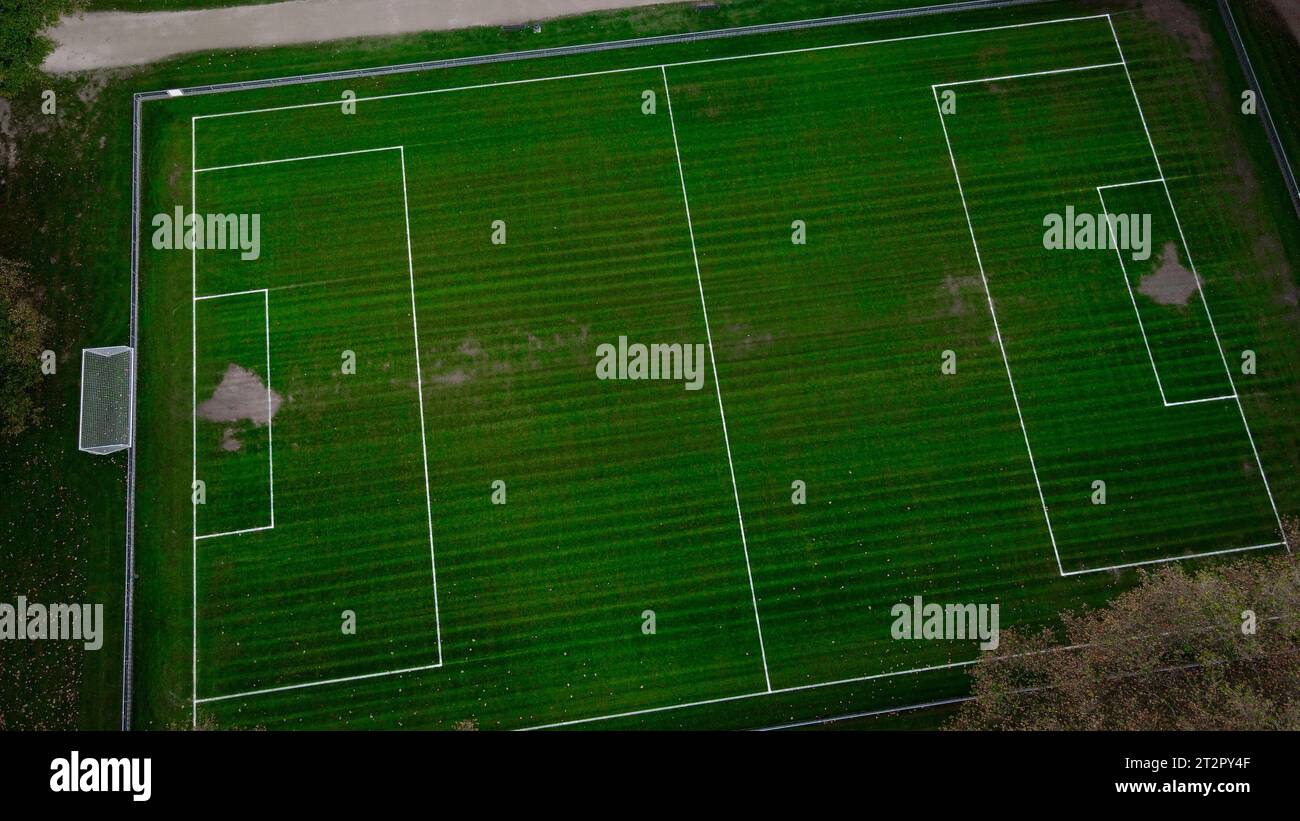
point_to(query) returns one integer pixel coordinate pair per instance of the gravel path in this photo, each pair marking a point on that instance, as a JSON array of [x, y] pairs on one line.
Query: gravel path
[[110, 39]]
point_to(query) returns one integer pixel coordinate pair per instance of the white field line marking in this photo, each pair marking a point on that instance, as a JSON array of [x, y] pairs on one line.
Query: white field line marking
[[1226, 396], [1163, 180], [782, 52], [1175, 558], [1110, 228], [340, 680], [1205, 302], [755, 694], [813, 722], [419, 382], [195, 700], [1132, 298], [1047, 517], [1130, 184], [699, 281], [241, 532], [1070, 70], [270, 423], [803, 687], [270, 451], [1006, 362], [297, 159], [230, 293], [736, 32], [194, 448]]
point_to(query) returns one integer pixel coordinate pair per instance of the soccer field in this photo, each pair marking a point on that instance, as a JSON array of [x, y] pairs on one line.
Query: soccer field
[[420, 503]]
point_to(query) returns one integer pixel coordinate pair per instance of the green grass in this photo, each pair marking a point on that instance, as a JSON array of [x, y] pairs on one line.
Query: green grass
[[1275, 55], [66, 198], [64, 541], [620, 495]]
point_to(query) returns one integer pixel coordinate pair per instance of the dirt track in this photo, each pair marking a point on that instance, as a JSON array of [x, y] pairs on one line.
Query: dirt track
[[111, 39]]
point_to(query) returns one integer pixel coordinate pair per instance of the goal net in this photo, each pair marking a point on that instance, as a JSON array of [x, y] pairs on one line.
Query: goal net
[[107, 386]]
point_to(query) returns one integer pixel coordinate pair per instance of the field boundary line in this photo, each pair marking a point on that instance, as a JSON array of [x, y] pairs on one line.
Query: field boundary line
[[424, 451], [1164, 181], [194, 440], [717, 384], [653, 66], [589, 48]]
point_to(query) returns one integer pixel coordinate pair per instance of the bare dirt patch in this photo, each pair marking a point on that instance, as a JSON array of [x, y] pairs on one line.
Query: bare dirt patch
[[742, 340], [8, 136], [954, 286], [114, 38], [229, 441], [1289, 10], [1171, 283], [1179, 20], [241, 395]]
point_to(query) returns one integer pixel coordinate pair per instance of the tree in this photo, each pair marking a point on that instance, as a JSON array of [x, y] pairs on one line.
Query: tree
[[1174, 653], [24, 334], [23, 44]]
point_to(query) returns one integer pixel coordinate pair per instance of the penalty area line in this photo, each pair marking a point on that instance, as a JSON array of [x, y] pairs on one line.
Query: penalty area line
[[321, 683], [1175, 558]]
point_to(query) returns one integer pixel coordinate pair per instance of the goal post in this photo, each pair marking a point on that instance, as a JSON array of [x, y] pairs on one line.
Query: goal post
[[107, 391]]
